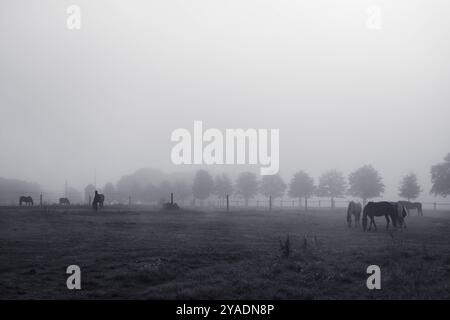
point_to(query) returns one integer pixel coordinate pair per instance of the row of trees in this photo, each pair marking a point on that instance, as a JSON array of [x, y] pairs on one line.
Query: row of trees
[[364, 183]]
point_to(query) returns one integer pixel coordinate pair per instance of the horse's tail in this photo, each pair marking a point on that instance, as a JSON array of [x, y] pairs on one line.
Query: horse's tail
[[364, 217], [349, 214]]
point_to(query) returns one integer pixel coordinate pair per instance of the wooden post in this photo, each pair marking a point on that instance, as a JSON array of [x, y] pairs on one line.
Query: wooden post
[[171, 198], [40, 200], [434, 206], [270, 203], [228, 203]]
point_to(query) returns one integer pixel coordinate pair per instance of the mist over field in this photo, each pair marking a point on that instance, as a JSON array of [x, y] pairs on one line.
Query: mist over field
[[103, 100]]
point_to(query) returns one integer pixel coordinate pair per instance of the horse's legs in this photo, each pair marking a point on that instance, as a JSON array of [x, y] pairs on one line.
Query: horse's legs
[[374, 224], [387, 222]]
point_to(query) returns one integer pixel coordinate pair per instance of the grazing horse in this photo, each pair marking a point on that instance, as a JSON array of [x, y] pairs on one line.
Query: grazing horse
[[354, 209], [379, 209], [98, 200], [64, 201], [401, 214], [413, 206], [26, 200]]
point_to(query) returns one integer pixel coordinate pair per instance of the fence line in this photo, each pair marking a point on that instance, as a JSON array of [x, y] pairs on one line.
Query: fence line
[[50, 198]]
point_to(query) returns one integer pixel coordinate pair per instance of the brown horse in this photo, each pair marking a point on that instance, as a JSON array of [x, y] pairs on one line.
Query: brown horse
[[64, 201], [98, 200], [413, 206], [379, 209], [354, 209], [27, 200]]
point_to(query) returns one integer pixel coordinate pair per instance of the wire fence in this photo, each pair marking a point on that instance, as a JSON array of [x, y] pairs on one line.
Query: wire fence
[[52, 198]]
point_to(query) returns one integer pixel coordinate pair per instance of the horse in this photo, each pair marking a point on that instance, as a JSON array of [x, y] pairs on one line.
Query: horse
[[27, 200], [98, 200], [402, 212], [379, 209], [64, 201], [354, 208], [413, 206]]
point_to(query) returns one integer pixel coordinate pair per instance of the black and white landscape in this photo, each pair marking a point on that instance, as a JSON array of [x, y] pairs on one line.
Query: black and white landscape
[[224, 149]]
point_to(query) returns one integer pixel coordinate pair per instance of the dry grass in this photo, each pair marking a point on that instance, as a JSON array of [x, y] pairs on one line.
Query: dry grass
[[145, 254]]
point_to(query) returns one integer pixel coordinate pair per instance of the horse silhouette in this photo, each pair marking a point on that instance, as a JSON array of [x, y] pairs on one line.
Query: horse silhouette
[[27, 200], [64, 201], [413, 206], [98, 201], [354, 209], [379, 209]]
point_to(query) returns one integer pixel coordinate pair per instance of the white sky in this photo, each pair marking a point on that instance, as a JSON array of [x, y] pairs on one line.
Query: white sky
[[108, 96]]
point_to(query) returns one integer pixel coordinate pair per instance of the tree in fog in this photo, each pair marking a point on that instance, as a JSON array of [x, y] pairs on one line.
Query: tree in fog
[[301, 186], [331, 185], [203, 185], [409, 187], [222, 186], [74, 196], [273, 186], [150, 193], [110, 192], [89, 193], [247, 186], [440, 178], [12, 189], [181, 190], [164, 191], [365, 183]]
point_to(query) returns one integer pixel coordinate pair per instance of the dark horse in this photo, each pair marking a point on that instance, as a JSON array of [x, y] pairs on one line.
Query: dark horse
[[354, 209], [379, 209], [98, 200], [64, 201], [26, 200], [413, 206]]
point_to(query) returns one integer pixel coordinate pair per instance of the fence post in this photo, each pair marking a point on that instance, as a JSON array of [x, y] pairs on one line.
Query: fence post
[[228, 203], [171, 198], [435, 206], [40, 200], [270, 203]]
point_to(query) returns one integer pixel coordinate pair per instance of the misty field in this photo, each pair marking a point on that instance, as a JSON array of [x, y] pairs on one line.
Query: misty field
[[152, 254]]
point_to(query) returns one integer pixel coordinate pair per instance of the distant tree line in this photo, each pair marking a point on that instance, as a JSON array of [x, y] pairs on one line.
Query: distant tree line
[[150, 185], [365, 183]]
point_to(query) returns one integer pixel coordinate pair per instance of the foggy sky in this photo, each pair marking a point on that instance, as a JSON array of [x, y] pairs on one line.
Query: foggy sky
[[106, 98]]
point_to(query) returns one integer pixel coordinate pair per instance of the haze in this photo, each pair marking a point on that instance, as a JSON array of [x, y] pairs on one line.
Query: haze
[[106, 98]]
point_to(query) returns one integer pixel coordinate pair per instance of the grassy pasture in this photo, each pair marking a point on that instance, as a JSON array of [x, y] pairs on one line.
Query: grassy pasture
[[149, 254]]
